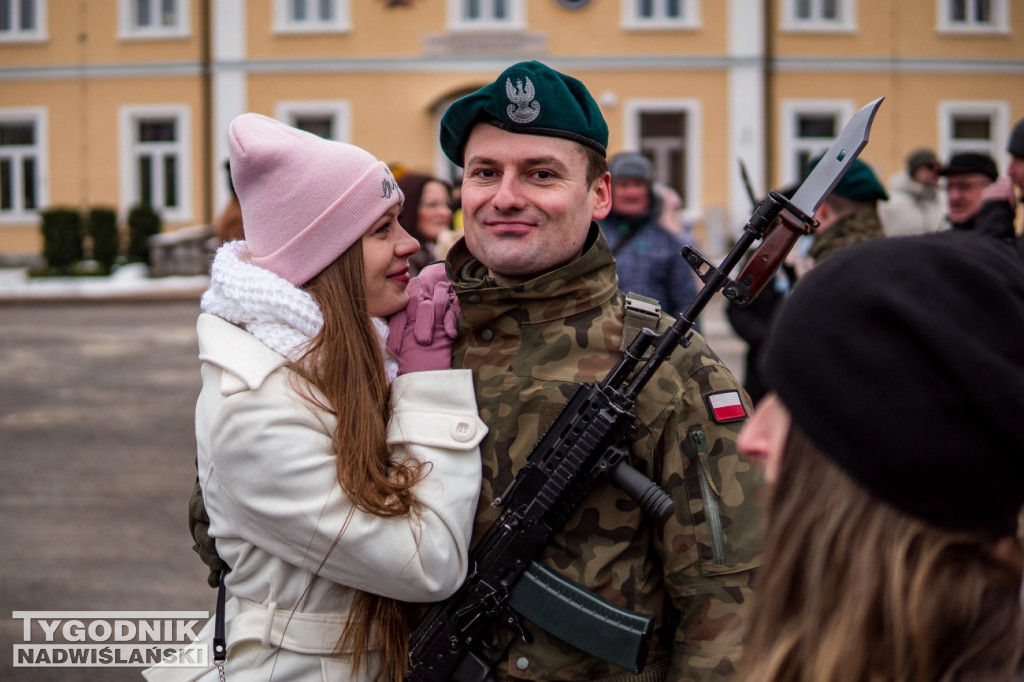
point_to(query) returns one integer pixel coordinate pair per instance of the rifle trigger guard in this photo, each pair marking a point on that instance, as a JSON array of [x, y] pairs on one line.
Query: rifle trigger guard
[[512, 621]]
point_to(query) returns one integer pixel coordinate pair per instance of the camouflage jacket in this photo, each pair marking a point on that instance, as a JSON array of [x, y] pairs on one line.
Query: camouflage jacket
[[850, 229], [529, 347]]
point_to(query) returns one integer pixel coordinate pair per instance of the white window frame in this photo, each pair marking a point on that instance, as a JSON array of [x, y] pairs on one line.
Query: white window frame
[[129, 30], [689, 16], [339, 111], [846, 22], [792, 144], [40, 119], [15, 34], [129, 118], [693, 109], [515, 21], [1000, 19], [998, 114], [340, 22]]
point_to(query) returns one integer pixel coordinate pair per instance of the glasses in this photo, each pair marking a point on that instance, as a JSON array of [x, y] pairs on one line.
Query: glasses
[[966, 185]]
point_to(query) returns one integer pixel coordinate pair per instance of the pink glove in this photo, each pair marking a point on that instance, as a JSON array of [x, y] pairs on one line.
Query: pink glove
[[422, 335]]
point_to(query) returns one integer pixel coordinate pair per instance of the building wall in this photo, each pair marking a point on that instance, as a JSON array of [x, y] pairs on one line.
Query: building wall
[[395, 68]]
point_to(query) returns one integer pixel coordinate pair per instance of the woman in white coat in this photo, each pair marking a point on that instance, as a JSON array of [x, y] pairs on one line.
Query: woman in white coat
[[337, 492]]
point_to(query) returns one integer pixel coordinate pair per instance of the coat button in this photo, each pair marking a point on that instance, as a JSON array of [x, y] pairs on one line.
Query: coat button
[[522, 663], [487, 335], [475, 298], [463, 431]]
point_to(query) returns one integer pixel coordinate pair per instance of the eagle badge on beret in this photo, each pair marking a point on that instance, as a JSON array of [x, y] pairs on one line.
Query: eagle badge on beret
[[523, 108]]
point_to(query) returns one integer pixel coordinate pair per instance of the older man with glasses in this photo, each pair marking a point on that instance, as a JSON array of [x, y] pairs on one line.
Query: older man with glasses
[[967, 175]]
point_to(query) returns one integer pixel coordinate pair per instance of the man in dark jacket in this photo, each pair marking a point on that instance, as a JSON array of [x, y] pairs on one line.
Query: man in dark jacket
[[646, 253], [967, 176], [999, 201]]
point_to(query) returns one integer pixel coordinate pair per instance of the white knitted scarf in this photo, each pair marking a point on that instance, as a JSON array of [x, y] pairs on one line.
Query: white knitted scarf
[[269, 307]]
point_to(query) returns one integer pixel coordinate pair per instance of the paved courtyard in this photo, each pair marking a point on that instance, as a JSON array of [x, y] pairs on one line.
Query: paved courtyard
[[96, 465]]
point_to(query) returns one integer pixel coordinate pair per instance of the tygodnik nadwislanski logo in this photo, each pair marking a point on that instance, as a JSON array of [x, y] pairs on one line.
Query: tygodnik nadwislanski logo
[[115, 639]]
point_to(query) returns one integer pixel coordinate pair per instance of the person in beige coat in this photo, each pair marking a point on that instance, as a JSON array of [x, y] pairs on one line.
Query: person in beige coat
[[338, 491]]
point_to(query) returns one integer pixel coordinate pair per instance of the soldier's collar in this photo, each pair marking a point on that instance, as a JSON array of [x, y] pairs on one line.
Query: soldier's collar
[[586, 283]]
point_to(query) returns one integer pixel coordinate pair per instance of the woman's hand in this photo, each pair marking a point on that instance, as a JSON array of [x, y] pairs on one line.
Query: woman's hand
[[422, 335]]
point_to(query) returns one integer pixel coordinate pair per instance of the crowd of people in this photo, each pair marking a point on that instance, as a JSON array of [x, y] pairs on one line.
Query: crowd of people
[[374, 378]]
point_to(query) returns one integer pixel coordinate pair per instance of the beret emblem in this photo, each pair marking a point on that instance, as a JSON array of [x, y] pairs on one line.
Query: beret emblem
[[523, 108]]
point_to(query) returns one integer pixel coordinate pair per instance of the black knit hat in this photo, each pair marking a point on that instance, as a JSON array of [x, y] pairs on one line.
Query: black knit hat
[[529, 98], [1016, 144], [902, 359]]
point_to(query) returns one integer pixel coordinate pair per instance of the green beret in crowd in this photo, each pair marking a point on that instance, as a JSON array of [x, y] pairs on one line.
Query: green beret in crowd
[[860, 182]]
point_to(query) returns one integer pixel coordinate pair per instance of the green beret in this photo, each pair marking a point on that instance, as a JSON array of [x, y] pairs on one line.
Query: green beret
[[860, 182], [528, 98]]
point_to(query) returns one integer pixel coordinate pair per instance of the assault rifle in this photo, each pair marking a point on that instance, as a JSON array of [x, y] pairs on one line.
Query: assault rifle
[[587, 442]]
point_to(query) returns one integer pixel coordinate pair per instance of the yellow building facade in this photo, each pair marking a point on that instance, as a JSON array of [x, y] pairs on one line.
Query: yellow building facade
[[111, 103]]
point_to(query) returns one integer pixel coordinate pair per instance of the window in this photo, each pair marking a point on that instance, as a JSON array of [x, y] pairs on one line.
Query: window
[[819, 15], [22, 160], [153, 18], [312, 16], [22, 20], [486, 14], [809, 128], [328, 119], [668, 133], [973, 127], [155, 160], [974, 16], [660, 14]]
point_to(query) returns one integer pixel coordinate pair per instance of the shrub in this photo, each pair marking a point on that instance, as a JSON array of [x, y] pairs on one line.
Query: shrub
[[101, 224], [143, 223], [62, 237]]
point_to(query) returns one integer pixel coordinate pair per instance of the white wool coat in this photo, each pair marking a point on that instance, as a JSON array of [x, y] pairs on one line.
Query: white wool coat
[[297, 547], [912, 208]]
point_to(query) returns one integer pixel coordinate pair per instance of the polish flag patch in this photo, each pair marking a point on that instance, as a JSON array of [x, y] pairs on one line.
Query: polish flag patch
[[726, 406]]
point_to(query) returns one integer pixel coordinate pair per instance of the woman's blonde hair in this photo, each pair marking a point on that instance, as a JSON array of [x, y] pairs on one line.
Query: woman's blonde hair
[[853, 590], [344, 363]]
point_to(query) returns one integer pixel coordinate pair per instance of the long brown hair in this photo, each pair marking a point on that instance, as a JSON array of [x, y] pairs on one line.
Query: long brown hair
[[344, 363], [853, 590]]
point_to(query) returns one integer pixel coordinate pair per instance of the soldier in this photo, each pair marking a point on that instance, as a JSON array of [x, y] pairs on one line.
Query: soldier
[[541, 313], [850, 213]]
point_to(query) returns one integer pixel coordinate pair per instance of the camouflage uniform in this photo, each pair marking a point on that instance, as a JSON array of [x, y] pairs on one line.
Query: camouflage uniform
[[529, 346], [850, 229]]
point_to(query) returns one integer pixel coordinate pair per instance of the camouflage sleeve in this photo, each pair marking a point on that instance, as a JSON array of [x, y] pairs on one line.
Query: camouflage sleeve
[[711, 546], [199, 526]]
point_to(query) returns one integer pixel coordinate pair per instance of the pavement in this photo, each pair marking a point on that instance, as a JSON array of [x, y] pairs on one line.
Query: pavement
[[97, 451]]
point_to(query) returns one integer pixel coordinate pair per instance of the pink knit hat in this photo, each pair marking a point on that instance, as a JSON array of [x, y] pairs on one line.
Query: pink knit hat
[[305, 200]]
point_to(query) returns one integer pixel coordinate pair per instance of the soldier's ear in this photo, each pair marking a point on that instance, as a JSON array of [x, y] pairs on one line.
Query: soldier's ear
[[602, 194]]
